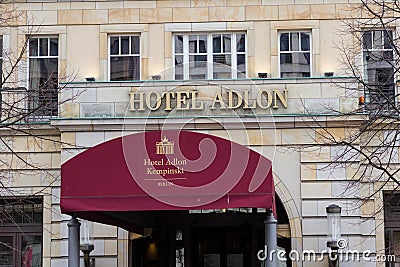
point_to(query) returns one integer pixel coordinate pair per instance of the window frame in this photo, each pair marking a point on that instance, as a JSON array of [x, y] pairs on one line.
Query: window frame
[[49, 56], [391, 225], [210, 54], [29, 57], [373, 50], [17, 230], [299, 51], [123, 55]]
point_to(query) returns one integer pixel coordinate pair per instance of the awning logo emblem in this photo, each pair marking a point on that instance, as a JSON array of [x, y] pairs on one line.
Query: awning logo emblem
[[165, 147]]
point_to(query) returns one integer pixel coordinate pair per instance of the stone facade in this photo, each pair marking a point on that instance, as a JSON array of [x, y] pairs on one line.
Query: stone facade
[[91, 113]]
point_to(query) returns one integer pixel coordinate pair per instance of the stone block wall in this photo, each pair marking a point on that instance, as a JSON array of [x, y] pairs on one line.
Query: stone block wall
[[98, 111], [83, 28]]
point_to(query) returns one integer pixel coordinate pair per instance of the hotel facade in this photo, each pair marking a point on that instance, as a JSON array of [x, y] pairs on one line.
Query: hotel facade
[[148, 104]]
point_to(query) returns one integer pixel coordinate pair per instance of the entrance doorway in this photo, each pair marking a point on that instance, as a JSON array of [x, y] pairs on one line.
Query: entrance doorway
[[206, 238], [221, 246], [229, 239]]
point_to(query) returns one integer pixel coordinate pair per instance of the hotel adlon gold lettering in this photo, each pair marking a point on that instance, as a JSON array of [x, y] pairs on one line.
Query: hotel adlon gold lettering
[[189, 100]]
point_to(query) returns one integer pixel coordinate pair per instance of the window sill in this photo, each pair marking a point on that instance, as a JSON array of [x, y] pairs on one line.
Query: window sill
[[211, 80]]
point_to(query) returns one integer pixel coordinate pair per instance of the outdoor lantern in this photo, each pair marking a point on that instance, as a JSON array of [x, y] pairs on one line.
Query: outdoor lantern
[[263, 75], [333, 213], [86, 243], [361, 100], [156, 77]]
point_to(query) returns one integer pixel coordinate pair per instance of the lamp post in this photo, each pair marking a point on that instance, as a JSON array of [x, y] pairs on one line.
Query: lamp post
[[333, 212], [86, 243]]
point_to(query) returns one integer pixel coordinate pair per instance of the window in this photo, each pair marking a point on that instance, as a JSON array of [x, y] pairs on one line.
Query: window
[[378, 68], [210, 56], [392, 228], [295, 54], [21, 222], [124, 62], [43, 76]]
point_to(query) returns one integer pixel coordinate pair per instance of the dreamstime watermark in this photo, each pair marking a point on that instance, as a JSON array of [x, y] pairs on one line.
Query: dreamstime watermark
[[311, 255]]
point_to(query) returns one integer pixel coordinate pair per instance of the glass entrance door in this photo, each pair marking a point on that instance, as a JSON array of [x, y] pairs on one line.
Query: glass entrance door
[[213, 239], [221, 246], [200, 247]]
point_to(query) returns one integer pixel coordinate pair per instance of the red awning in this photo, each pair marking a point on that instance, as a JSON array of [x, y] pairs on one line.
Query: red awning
[[164, 170]]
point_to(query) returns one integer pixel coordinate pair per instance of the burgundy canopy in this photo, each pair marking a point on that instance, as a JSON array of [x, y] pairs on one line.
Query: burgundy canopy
[[164, 170]]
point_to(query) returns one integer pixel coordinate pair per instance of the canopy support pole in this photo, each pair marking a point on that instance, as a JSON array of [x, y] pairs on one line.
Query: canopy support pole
[[73, 242], [270, 240]]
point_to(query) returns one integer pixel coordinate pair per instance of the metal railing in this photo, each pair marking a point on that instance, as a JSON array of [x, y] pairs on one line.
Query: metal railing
[[380, 98]]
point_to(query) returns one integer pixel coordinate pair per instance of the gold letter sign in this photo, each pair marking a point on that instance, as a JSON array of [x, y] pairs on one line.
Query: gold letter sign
[[190, 100]]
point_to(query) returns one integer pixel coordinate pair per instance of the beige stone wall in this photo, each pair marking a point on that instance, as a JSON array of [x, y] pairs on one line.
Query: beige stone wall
[[83, 28], [30, 165], [306, 188]]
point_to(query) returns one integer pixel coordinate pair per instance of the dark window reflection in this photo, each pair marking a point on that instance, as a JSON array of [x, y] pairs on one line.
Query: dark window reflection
[[43, 76], [124, 58]]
